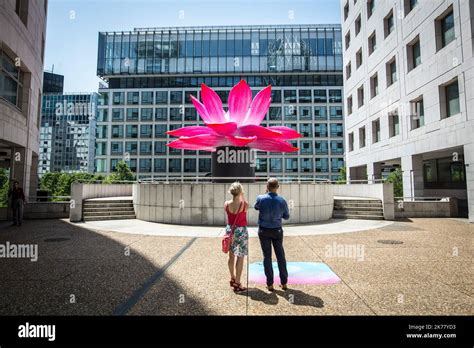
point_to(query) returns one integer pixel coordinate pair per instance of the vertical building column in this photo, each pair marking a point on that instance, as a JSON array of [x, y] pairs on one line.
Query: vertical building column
[[469, 162], [412, 173], [19, 162]]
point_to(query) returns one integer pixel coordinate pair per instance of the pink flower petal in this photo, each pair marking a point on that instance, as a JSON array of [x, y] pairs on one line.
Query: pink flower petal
[[286, 132], [206, 140], [240, 98], [272, 145], [227, 128], [259, 131], [201, 109], [190, 131], [213, 105], [259, 106], [179, 144], [240, 141]]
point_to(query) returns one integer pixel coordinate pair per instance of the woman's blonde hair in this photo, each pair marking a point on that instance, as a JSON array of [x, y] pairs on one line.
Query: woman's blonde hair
[[236, 188]]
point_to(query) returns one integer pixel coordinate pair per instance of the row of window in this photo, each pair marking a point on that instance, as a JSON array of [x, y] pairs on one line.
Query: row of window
[[203, 165], [146, 130], [408, 6], [449, 102], [307, 147], [290, 113], [444, 32], [176, 97]]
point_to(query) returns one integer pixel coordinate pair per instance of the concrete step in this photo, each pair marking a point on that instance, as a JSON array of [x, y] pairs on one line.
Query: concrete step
[[360, 217], [101, 201], [109, 217], [358, 208], [336, 203], [109, 213], [98, 209], [107, 205]]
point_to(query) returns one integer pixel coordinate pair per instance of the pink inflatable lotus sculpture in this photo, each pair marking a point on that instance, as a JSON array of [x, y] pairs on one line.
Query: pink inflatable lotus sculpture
[[238, 126]]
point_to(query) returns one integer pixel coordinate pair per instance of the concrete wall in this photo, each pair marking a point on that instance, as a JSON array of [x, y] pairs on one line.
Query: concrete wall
[[384, 192], [426, 209], [203, 204], [79, 192], [40, 210]]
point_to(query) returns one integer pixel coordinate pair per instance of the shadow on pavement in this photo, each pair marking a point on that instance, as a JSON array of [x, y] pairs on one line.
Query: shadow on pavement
[[295, 297]]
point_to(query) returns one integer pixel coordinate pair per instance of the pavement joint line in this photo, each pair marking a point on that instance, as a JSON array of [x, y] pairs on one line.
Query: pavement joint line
[[125, 307], [310, 247]]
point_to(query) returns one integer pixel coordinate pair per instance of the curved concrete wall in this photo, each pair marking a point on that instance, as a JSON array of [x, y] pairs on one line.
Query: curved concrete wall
[[203, 204]]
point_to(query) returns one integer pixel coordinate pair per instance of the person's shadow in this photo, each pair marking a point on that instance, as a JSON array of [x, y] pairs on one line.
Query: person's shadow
[[293, 296]]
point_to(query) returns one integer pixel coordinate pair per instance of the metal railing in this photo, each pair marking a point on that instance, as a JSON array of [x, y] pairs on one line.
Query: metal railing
[[422, 199]]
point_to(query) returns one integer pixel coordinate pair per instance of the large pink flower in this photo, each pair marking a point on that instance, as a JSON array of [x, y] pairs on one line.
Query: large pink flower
[[239, 126]]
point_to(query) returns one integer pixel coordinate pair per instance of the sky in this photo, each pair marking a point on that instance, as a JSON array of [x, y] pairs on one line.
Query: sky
[[73, 25]]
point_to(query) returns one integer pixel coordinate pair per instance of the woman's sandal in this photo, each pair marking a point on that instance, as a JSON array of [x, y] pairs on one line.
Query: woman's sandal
[[238, 287], [232, 282]]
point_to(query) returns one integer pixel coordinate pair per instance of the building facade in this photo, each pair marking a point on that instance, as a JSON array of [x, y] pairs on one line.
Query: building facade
[[67, 133], [408, 90], [53, 83], [151, 73], [22, 43]]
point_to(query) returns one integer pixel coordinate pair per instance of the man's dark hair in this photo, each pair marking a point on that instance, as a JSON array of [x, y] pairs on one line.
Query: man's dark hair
[[272, 184]]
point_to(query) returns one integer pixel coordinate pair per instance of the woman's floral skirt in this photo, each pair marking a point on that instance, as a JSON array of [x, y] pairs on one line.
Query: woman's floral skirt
[[240, 241]]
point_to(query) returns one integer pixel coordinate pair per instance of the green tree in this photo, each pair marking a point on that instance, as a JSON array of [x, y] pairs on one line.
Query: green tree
[[342, 176], [4, 186], [122, 173], [396, 179]]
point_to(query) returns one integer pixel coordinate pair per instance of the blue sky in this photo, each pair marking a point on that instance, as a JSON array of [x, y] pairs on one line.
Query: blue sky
[[73, 25]]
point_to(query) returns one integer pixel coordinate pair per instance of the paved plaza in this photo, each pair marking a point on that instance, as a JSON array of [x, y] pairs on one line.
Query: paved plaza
[[416, 266]]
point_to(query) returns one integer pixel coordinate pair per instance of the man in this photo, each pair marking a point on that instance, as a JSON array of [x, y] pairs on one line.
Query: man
[[272, 208], [18, 200]]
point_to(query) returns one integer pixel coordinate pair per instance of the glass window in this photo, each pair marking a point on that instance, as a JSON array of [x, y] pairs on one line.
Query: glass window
[[118, 98], [160, 131], [145, 147], [116, 148], [161, 97], [335, 96], [322, 165], [305, 96], [321, 147], [261, 165], [131, 131], [160, 147], [133, 98], [160, 165], [418, 113], [102, 115], [146, 114], [131, 147], [452, 99], [275, 165], [146, 130], [320, 96], [320, 113], [101, 132], [174, 165], [290, 96], [275, 113], [320, 130], [147, 98], [204, 165], [337, 147], [132, 114], [336, 130], [335, 112], [176, 114], [447, 29], [305, 129], [117, 114], [394, 124], [306, 113], [291, 165], [161, 114], [189, 165], [276, 96], [145, 165], [290, 112], [306, 164], [176, 97], [190, 114], [306, 147], [117, 131]]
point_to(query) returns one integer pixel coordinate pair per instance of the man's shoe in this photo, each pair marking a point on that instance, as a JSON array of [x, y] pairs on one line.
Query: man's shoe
[[284, 287], [270, 288]]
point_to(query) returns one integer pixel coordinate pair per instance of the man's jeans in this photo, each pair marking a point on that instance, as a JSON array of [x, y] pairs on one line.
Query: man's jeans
[[269, 236], [17, 211]]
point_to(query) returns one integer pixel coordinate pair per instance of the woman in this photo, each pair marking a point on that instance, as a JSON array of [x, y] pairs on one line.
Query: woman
[[236, 210]]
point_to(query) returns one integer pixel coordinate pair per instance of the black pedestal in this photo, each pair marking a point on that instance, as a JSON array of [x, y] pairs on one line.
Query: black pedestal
[[230, 163]]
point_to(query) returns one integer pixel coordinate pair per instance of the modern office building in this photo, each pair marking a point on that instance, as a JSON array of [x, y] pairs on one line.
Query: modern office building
[[53, 83], [67, 133], [408, 89], [22, 43], [151, 73]]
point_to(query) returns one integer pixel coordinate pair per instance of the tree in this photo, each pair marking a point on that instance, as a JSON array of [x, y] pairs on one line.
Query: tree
[[396, 179], [4, 186], [122, 173], [342, 176]]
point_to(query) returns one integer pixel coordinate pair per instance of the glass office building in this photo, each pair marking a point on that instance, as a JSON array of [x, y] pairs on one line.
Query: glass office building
[[151, 72], [67, 133]]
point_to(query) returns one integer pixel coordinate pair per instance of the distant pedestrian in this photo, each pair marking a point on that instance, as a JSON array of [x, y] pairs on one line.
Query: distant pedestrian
[[272, 208], [18, 201]]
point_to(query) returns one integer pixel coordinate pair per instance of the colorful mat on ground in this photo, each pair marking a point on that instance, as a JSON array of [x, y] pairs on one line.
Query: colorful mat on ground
[[298, 273]]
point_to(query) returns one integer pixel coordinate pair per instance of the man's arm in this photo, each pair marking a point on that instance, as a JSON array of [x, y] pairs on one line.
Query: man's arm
[[286, 212], [257, 203]]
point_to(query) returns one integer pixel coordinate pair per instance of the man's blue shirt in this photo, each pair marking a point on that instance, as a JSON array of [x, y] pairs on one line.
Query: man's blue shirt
[[272, 208]]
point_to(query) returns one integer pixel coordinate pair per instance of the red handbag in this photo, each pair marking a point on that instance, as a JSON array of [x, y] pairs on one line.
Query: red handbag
[[227, 239]]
